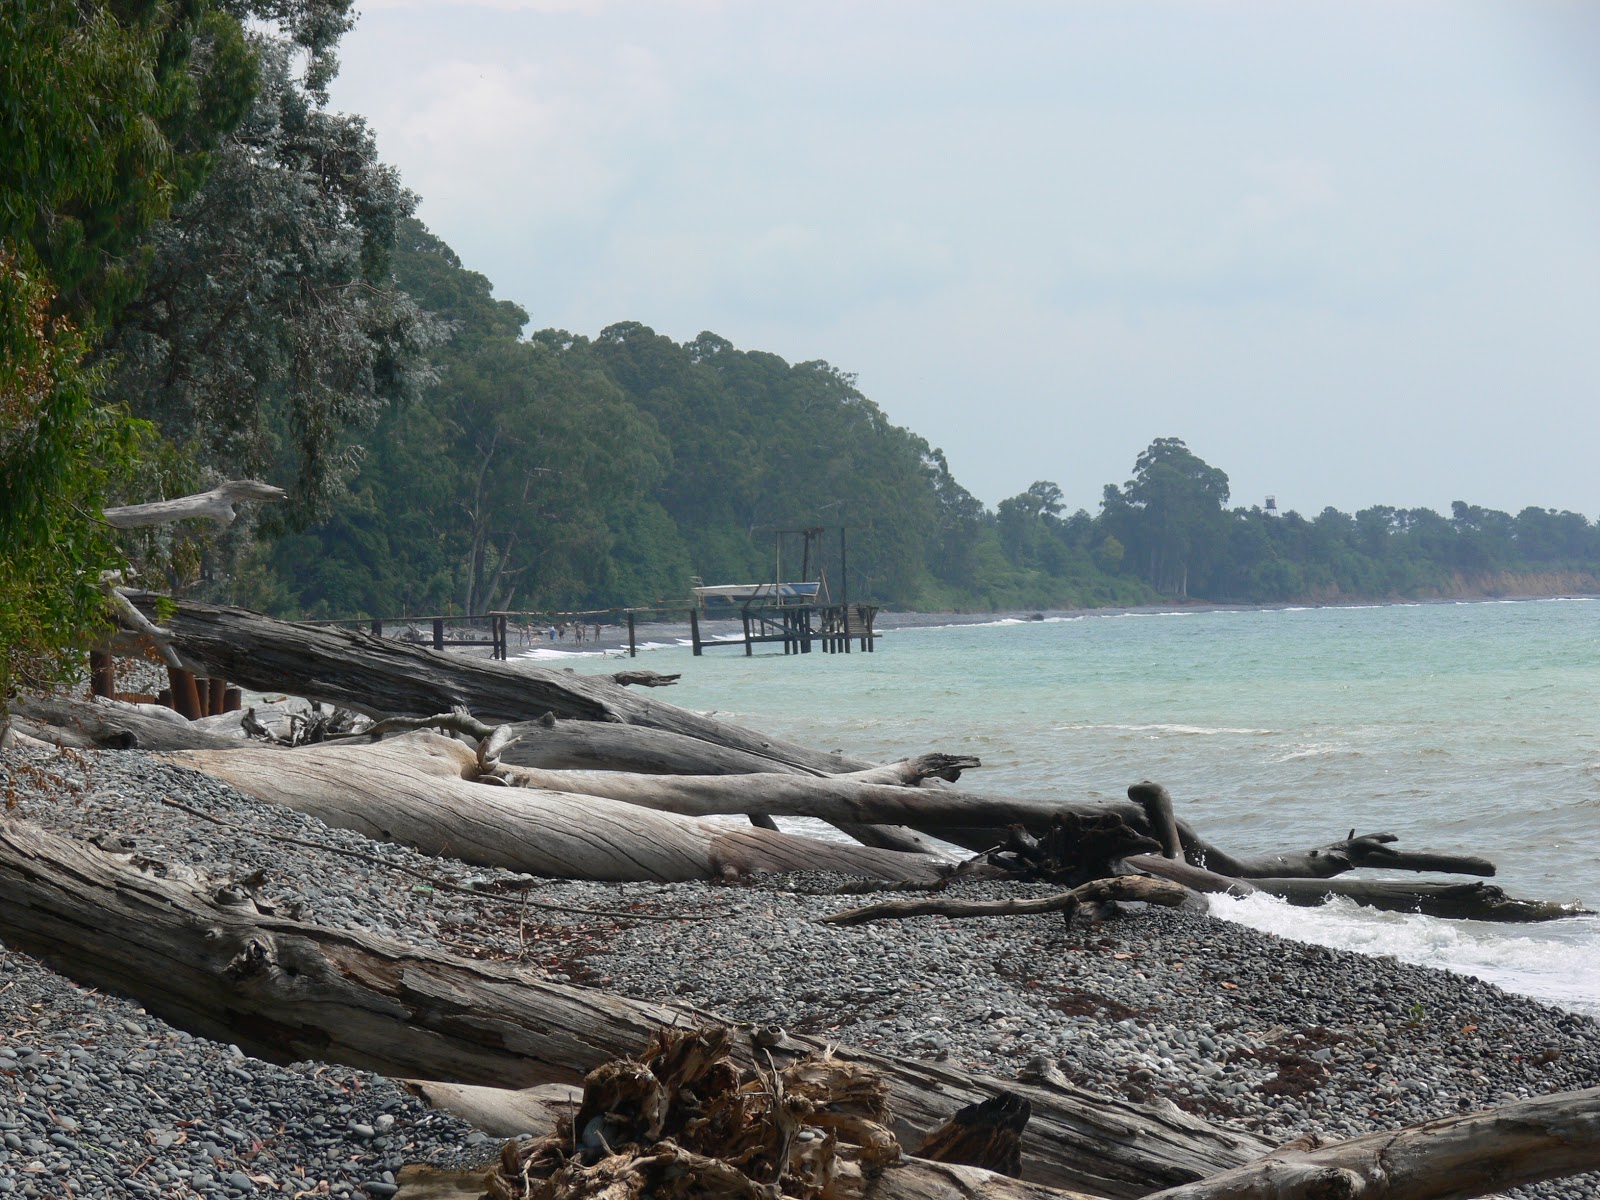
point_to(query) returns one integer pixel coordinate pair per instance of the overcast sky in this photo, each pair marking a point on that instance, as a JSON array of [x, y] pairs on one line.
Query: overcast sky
[[1349, 251]]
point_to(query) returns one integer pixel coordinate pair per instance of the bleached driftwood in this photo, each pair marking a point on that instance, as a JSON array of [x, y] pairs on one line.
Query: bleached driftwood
[[421, 789], [502, 1112], [1526, 1141], [289, 991], [216, 505], [111, 725]]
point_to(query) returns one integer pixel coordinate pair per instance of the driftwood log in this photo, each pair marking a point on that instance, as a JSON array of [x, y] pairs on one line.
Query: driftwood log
[[1141, 888], [420, 789], [289, 991], [111, 725], [216, 505], [1456, 901], [382, 677]]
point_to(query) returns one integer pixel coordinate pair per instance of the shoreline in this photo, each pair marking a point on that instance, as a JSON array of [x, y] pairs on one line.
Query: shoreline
[[613, 638], [1252, 1031]]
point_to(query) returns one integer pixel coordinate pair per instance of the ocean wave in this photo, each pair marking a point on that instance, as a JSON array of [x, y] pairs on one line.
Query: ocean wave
[[1197, 730], [1318, 750], [1560, 967]]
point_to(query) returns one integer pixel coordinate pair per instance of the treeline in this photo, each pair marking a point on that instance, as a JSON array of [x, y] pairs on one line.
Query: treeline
[[206, 273], [558, 472]]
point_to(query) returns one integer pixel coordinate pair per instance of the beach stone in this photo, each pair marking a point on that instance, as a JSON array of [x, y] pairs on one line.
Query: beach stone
[[1106, 1004]]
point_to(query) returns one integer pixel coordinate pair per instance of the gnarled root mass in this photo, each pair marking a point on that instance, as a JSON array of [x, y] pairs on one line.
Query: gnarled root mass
[[686, 1118]]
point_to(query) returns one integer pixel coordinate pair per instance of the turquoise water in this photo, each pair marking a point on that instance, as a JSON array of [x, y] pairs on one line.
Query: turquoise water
[[1466, 728]]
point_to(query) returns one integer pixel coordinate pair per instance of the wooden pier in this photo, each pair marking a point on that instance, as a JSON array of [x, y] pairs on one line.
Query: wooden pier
[[797, 627]]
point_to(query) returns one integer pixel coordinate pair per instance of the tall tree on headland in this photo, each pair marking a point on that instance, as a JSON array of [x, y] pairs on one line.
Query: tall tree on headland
[[1170, 515]]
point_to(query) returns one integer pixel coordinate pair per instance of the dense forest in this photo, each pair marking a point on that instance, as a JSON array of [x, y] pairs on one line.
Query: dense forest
[[207, 273]]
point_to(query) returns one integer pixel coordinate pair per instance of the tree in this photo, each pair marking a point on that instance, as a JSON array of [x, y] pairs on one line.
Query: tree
[[270, 331], [1169, 515], [108, 117]]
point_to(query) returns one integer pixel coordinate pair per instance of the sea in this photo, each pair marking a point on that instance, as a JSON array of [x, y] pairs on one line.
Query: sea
[[1466, 728]]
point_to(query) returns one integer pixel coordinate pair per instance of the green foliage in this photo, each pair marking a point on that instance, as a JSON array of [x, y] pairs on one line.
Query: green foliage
[[270, 334], [1169, 516], [59, 454], [106, 118]]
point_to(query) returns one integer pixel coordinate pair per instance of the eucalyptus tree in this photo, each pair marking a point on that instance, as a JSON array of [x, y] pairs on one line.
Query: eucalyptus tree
[[109, 115], [1170, 515], [270, 333]]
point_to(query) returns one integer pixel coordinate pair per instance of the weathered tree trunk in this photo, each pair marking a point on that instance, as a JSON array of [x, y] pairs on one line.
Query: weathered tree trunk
[[1546, 1137], [383, 677], [418, 789], [503, 1112], [1457, 901], [553, 745], [1120, 887], [289, 991], [215, 505], [114, 726], [833, 797]]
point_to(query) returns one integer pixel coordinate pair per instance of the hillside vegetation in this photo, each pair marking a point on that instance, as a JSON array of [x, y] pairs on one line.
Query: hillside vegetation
[[205, 272]]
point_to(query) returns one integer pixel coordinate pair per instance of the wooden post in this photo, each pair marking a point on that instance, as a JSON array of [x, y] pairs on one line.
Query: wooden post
[[633, 646], [748, 650], [694, 630], [497, 631], [232, 699], [185, 696], [438, 633], [102, 674], [844, 592], [215, 690]]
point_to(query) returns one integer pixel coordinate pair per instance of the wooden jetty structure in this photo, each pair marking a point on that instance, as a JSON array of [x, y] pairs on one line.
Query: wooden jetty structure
[[794, 620], [795, 614]]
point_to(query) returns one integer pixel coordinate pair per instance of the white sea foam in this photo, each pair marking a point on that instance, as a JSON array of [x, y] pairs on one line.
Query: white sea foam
[[1195, 730], [1558, 963]]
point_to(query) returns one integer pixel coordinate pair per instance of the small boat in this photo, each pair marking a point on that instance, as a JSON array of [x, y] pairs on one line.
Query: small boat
[[733, 592]]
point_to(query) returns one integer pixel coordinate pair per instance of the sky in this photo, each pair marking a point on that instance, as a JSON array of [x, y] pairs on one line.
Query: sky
[[1349, 251]]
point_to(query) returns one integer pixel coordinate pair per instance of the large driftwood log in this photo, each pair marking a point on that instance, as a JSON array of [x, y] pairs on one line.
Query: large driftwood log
[[215, 505], [389, 678], [1457, 901], [554, 745], [289, 991], [114, 726], [420, 789], [1546, 1137], [866, 798]]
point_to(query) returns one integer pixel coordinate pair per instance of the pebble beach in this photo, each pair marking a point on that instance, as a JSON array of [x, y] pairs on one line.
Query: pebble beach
[[100, 1098]]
